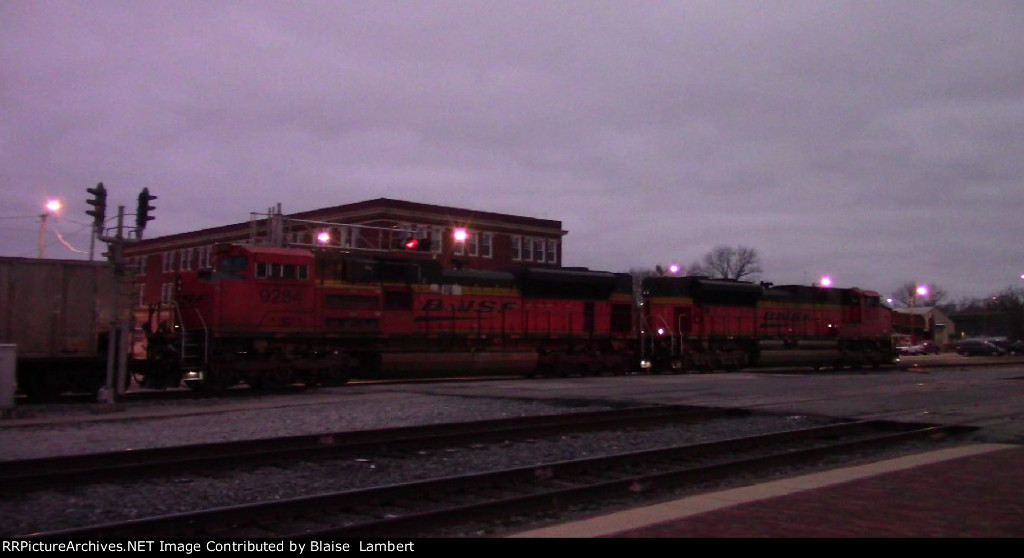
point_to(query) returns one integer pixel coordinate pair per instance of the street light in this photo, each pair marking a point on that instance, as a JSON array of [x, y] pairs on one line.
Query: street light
[[52, 206], [919, 291], [458, 246]]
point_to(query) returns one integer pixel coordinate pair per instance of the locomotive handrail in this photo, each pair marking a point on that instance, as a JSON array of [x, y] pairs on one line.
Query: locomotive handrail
[[181, 325], [206, 337], [671, 337], [184, 334]]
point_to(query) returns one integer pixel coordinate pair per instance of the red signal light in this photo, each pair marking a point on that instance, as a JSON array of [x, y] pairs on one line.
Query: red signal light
[[411, 244]]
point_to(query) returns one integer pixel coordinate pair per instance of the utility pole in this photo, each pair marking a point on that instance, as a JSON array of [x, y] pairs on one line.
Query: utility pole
[[120, 326], [42, 236], [115, 338]]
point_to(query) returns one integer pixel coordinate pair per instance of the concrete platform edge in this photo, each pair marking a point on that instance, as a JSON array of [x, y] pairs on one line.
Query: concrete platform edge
[[609, 524]]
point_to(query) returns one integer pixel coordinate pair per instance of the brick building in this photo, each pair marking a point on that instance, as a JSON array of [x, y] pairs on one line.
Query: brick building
[[383, 227], [924, 323]]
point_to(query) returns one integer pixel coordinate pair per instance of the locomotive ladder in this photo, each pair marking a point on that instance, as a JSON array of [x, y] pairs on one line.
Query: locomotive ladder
[[194, 344]]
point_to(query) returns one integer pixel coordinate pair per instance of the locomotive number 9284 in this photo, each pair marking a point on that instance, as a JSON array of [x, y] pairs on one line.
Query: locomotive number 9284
[[276, 295]]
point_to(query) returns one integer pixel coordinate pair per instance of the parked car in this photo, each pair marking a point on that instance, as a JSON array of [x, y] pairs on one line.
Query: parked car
[[978, 347], [1015, 348], [904, 350], [923, 348], [1011, 347]]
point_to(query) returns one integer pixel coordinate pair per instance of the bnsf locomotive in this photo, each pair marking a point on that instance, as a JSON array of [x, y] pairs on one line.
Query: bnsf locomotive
[[275, 316], [272, 317], [696, 323]]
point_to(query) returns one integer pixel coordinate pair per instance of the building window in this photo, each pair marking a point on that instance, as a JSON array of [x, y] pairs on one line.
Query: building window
[[538, 249], [474, 244], [141, 261], [186, 259], [168, 264], [487, 245], [141, 300], [167, 292], [552, 251], [517, 248], [204, 257]]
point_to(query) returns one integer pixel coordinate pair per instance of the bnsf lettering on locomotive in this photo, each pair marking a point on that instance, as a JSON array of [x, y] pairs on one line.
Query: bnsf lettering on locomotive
[[483, 306], [280, 296]]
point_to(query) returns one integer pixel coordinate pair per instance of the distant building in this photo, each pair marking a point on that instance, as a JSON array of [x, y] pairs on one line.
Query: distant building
[[987, 322], [383, 227], [926, 323]]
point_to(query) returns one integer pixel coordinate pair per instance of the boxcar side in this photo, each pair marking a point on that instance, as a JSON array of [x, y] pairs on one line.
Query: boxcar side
[[58, 313]]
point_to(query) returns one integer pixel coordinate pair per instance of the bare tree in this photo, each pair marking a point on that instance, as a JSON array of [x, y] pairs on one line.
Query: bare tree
[[726, 262], [907, 295]]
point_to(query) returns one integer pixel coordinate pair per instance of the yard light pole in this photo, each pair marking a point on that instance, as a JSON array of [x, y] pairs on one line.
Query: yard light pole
[[52, 206], [459, 238], [919, 291]]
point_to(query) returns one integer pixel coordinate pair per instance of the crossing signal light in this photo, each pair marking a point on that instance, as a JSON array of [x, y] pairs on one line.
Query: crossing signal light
[[142, 215], [99, 205], [416, 244]]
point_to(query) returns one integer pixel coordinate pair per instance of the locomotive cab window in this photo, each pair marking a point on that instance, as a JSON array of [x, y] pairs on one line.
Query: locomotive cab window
[[232, 265], [271, 270]]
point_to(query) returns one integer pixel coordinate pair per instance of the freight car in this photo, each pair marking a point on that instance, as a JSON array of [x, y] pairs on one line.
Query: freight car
[[698, 323], [274, 316], [58, 314]]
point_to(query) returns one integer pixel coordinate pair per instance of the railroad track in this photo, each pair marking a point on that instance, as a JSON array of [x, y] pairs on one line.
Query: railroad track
[[66, 470], [452, 504], [243, 391]]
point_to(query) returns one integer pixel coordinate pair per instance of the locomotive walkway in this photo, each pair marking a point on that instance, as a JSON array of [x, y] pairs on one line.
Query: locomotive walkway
[[966, 492]]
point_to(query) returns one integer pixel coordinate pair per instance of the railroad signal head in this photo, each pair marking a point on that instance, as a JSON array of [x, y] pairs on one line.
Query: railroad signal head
[[416, 244], [99, 205], [142, 215]]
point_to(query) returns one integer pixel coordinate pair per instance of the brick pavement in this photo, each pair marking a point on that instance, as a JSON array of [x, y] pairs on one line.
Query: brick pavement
[[973, 492]]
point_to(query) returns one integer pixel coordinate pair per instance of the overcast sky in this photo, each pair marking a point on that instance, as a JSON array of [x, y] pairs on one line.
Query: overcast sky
[[879, 142]]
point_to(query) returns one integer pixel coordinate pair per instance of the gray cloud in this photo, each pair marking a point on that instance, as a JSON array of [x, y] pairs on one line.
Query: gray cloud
[[879, 142]]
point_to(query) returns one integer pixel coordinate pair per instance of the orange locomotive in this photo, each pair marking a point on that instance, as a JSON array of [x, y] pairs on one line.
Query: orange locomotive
[[273, 316], [697, 323]]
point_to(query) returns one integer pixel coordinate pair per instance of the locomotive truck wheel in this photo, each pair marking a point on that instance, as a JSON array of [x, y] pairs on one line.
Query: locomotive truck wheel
[[218, 379], [337, 375], [255, 381], [278, 377]]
